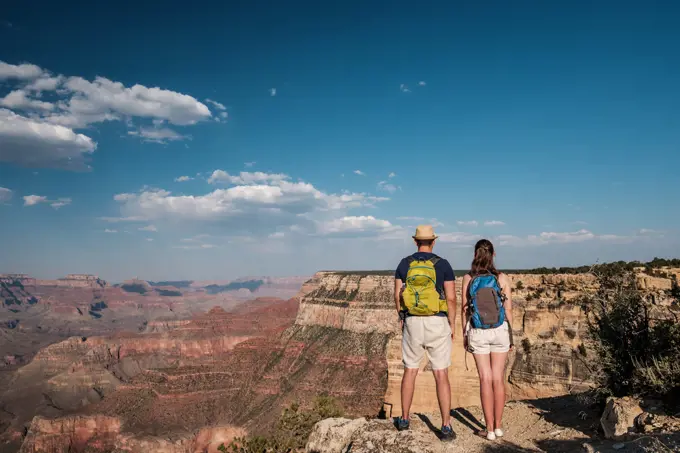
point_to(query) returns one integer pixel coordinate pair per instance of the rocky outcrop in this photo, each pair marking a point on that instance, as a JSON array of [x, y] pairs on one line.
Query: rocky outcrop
[[70, 434], [618, 418], [101, 433], [546, 362], [333, 434]]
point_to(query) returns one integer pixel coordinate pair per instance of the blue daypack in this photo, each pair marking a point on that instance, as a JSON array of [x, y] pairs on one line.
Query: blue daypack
[[485, 302]]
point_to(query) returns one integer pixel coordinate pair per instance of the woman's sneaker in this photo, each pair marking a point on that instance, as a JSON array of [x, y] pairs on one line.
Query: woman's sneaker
[[402, 424], [498, 432], [447, 434]]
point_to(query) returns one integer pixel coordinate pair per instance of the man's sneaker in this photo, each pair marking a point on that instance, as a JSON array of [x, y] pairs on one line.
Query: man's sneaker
[[447, 434], [402, 424]]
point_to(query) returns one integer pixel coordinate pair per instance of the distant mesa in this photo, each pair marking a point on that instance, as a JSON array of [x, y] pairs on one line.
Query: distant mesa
[[175, 283], [251, 285], [70, 281]]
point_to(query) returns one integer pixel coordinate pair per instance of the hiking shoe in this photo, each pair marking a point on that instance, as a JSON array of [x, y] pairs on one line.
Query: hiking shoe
[[447, 434], [402, 424]]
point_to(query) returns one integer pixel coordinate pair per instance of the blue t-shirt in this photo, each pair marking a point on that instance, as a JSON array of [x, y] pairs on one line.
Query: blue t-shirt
[[443, 270]]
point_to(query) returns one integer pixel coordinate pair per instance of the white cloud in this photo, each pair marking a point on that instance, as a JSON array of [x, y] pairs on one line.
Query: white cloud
[[105, 100], [387, 187], [277, 235], [355, 225], [110, 231], [30, 142], [149, 239], [570, 237], [467, 223], [249, 164], [45, 136], [224, 115], [60, 203], [183, 179], [24, 71], [359, 172], [195, 247], [32, 200], [392, 175], [218, 105], [123, 219], [45, 83], [494, 223], [404, 89], [272, 91], [422, 83], [647, 231], [5, 195], [459, 237], [417, 219], [222, 177], [149, 228], [157, 135], [261, 204], [19, 100]]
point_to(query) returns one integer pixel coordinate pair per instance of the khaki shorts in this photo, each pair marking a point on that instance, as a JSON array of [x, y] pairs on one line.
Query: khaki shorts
[[485, 341], [426, 333]]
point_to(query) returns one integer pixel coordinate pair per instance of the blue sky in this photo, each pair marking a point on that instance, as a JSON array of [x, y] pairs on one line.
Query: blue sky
[[316, 136]]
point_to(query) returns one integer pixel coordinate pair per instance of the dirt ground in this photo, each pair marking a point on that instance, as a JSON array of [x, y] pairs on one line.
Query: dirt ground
[[552, 425]]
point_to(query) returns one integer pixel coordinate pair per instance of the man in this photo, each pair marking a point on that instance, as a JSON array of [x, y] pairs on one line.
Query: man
[[425, 298]]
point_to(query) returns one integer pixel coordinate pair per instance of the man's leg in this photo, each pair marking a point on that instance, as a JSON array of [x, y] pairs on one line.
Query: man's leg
[[408, 385], [439, 351], [412, 353], [441, 379]]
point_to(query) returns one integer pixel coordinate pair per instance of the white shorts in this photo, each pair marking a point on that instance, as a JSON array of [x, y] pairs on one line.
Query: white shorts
[[485, 341], [426, 333]]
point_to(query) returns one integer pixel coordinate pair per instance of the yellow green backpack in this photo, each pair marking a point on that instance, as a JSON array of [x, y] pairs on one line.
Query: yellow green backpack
[[420, 296]]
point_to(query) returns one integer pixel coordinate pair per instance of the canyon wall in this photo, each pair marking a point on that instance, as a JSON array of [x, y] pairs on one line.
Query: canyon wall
[[550, 357]]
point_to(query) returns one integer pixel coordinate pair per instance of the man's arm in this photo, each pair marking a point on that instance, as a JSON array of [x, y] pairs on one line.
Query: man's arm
[[397, 293], [450, 291]]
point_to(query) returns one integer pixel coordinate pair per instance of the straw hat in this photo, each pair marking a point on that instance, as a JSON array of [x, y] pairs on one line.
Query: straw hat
[[425, 233]]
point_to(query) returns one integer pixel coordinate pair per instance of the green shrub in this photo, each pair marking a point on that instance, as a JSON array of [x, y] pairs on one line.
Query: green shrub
[[519, 285], [291, 431], [638, 345]]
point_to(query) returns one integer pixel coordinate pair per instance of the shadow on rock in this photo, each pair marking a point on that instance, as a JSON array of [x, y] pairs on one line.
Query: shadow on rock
[[579, 412]]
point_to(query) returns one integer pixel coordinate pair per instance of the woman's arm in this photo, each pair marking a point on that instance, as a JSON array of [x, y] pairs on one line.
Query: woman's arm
[[463, 305], [507, 292]]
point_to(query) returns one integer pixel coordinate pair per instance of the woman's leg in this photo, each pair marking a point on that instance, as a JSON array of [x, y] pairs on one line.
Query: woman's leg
[[486, 391], [498, 382]]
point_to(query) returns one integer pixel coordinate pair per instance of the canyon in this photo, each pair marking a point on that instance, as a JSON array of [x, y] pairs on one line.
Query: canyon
[[198, 378]]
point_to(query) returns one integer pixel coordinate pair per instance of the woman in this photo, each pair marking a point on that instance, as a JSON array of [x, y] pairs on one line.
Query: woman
[[489, 346]]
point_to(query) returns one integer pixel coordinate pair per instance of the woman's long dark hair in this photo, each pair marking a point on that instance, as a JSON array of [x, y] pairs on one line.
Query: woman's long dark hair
[[483, 260]]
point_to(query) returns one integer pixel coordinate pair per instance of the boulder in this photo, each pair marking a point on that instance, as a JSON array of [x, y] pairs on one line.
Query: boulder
[[618, 417], [380, 436], [333, 435]]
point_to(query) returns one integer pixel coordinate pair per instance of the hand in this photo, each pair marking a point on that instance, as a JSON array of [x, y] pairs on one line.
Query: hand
[[401, 324], [453, 335]]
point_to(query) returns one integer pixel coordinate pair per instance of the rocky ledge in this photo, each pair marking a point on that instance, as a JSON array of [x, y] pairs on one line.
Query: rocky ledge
[[555, 425]]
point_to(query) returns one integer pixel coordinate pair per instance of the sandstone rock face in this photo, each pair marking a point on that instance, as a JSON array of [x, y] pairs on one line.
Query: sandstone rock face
[[70, 433], [619, 416], [333, 435], [545, 362]]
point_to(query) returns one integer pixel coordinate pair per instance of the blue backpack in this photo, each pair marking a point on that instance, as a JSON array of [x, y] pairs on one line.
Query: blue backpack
[[485, 302]]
